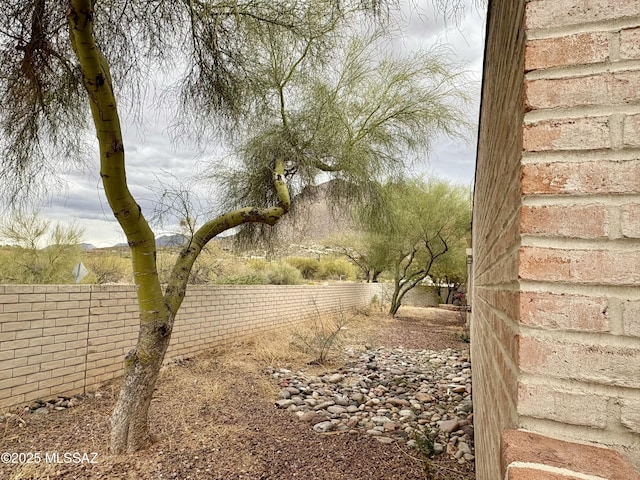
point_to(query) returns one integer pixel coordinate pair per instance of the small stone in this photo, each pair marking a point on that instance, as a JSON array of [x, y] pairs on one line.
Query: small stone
[[41, 411], [438, 448], [448, 426], [385, 440], [335, 378], [464, 448], [284, 395], [308, 416], [323, 427], [380, 419], [284, 403], [336, 409], [424, 397], [391, 426], [399, 402]]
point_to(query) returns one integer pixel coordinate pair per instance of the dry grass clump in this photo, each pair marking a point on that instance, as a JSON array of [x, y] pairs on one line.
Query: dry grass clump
[[319, 340]]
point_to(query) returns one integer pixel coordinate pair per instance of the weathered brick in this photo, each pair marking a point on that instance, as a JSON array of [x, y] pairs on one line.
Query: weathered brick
[[580, 266], [575, 221], [584, 48], [581, 177], [631, 131], [630, 43], [564, 311], [618, 88], [631, 317], [630, 415], [546, 402], [571, 134], [631, 221], [587, 460], [597, 363], [553, 13]]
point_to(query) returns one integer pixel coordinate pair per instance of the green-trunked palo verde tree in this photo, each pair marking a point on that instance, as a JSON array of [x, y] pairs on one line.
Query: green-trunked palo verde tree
[[287, 83]]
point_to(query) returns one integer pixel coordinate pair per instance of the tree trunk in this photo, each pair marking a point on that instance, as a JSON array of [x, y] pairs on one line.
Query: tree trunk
[[129, 420], [376, 274], [396, 299]]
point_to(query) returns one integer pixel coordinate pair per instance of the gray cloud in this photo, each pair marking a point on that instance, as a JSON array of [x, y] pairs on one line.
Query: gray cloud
[[150, 151]]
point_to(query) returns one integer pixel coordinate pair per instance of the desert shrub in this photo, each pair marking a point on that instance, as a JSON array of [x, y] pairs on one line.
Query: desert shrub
[[258, 264], [249, 278], [307, 266], [336, 268], [322, 335], [281, 273], [107, 267]]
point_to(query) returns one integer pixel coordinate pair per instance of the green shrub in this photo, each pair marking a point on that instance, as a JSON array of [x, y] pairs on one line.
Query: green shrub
[[336, 269], [281, 273], [251, 278], [257, 264], [307, 266]]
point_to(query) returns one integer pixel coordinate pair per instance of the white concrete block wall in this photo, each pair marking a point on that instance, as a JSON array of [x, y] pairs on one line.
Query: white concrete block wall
[[63, 339]]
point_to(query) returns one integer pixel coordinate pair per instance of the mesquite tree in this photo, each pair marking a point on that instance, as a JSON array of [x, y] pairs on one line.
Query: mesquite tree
[[257, 72], [417, 230]]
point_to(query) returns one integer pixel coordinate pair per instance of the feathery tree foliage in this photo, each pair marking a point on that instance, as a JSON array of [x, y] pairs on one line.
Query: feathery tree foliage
[[418, 230], [41, 252], [258, 69]]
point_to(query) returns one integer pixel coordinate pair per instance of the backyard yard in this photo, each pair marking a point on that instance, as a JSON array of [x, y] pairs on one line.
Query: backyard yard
[[390, 400]]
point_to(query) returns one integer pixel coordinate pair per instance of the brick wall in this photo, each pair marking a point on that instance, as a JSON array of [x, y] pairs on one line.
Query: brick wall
[[494, 325], [556, 314], [63, 339]]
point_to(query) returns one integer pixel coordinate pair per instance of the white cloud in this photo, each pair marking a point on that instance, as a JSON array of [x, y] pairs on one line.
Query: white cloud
[[150, 151]]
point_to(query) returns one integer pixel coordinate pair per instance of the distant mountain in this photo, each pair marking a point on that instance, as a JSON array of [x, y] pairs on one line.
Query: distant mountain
[[176, 240], [87, 246]]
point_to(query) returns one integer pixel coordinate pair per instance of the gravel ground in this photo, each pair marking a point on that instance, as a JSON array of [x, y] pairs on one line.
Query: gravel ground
[[213, 417]]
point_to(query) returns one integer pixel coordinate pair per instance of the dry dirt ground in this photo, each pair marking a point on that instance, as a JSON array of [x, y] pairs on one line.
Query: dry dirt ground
[[213, 417]]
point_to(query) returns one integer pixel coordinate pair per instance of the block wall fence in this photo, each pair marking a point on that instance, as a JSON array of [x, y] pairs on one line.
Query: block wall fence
[[64, 339], [555, 327]]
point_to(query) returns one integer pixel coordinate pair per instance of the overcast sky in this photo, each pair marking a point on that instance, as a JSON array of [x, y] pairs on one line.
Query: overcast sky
[[150, 152]]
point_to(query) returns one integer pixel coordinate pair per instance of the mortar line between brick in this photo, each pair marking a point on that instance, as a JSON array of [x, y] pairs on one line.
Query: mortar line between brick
[[579, 156], [583, 200], [558, 471], [569, 385], [591, 27], [575, 337], [589, 111], [579, 244], [577, 71], [576, 434], [619, 291]]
